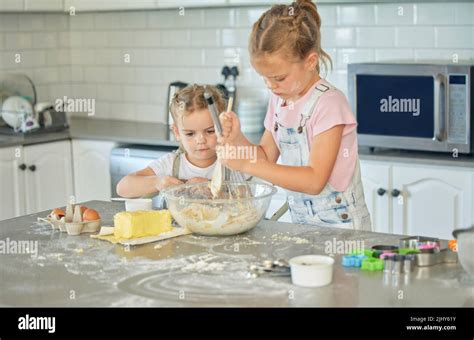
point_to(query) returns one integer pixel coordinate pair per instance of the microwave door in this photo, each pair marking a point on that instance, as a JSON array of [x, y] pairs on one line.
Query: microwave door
[[400, 111], [398, 106]]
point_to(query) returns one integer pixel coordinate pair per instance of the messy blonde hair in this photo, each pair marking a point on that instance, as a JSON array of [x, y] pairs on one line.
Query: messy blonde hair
[[294, 29], [191, 98]]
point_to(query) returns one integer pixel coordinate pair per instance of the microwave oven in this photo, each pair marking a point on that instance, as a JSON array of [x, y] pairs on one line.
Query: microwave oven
[[426, 107]]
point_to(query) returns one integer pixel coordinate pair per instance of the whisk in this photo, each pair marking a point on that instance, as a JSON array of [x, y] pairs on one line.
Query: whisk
[[236, 182]]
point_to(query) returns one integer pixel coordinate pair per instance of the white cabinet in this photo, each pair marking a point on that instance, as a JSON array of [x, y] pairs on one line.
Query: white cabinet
[[48, 178], [12, 181], [35, 178], [92, 169], [111, 5], [277, 201], [190, 3], [31, 5], [260, 2], [79, 5], [433, 202], [108, 5], [414, 199], [11, 6], [375, 178], [43, 5], [123, 5]]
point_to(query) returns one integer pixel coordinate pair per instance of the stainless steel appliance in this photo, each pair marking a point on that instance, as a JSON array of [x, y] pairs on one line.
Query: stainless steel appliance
[[129, 158], [172, 89], [426, 107], [50, 119]]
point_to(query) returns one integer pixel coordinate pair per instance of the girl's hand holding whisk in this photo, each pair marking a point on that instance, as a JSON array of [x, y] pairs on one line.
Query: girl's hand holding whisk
[[231, 132], [229, 142]]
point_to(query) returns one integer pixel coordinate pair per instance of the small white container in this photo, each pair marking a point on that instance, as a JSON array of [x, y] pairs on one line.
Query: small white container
[[311, 270], [138, 204]]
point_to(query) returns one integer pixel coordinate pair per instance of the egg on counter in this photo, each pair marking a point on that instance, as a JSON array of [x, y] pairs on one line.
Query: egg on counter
[[57, 214], [90, 215]]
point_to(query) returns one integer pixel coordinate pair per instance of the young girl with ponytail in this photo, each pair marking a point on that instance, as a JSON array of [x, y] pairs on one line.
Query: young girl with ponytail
[[309, 123]]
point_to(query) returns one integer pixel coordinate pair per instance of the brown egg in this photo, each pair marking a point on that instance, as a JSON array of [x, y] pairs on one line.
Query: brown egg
[[90, 215], [58, 213], [83, 209]]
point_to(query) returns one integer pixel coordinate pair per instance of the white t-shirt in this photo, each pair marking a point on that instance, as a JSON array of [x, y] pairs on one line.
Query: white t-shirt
[[163, 166]]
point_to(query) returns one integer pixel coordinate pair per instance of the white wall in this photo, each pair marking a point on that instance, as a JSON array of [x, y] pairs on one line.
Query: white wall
[[83, 55]]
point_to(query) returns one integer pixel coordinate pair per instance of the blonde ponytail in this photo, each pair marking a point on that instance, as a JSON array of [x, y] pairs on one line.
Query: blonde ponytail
[[299, 27]]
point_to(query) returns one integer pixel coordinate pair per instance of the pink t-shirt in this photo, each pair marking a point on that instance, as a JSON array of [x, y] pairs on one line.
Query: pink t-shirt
[[331, 109]]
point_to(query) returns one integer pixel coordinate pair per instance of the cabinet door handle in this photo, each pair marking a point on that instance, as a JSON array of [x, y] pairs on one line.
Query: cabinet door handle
[[381, 191], [32, 167], [22, 167], [396, 193]]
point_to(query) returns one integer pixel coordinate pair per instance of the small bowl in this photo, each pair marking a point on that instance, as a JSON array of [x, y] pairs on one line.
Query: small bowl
[[138, 204], [311, 270], [414, 242], [74, 228]]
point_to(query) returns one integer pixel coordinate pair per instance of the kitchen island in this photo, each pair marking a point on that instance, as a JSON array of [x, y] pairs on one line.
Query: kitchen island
[[78, 271]]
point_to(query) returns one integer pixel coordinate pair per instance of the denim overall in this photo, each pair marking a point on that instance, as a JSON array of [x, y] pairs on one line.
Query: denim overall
[[330, 208]]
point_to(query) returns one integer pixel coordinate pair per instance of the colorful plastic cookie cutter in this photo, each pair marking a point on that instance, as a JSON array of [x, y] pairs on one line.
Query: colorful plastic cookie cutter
[[384, 255], [385, 248], [372, 264], [406, 251], [427, 246], [380, 249], [365, 252], [353, 260]]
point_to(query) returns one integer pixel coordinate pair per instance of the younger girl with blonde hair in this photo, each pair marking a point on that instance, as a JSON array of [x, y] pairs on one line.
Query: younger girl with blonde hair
[[196, 158]]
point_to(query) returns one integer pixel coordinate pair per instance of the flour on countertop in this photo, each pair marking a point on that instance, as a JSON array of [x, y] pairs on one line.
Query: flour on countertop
[[214, 266], [246, 241], [160, 244], [286, 238], [202, 264]]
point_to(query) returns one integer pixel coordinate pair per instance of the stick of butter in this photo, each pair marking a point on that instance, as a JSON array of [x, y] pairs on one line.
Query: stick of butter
[[133, 224]]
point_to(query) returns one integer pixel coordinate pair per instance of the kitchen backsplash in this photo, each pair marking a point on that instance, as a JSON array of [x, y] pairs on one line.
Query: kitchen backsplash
[[125, 60]]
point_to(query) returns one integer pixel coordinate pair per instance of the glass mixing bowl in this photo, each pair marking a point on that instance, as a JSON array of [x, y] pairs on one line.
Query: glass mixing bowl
[[465, 239], [239, 207]]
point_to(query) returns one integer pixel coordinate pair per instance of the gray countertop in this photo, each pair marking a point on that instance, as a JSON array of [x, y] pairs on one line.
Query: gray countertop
[[120, 131], [417, 157], [28, 139], [127, 132], [206, 271], [157, 134]]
